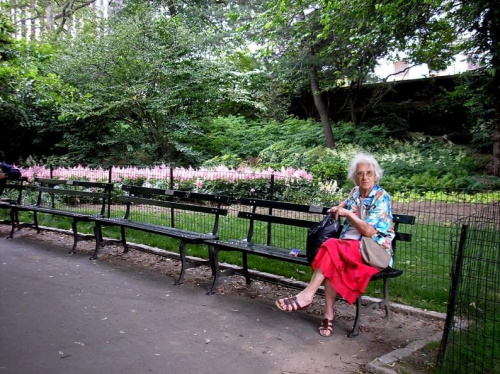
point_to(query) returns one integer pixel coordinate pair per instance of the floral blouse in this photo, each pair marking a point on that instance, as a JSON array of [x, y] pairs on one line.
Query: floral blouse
[[378, 214]]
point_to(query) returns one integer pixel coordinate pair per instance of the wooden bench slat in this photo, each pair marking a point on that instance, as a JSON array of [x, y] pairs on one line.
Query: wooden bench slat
[[44, 186], [174, 204], [189, 236], [276, 219], [284, 205], [58, 191], [404, 219], [173, 200], [402, 236], [203, 196]]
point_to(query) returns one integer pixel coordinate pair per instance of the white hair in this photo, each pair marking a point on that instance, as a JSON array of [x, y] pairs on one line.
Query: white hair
[[365, 158]]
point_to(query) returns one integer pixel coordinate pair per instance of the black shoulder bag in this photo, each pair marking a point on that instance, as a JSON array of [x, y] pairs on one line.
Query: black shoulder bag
[[319, 233]]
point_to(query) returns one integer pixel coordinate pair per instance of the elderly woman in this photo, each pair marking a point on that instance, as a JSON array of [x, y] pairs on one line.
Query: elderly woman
[[339, 265]]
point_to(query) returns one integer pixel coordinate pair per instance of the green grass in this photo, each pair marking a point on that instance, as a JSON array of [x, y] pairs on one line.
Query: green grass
[[474, 349]]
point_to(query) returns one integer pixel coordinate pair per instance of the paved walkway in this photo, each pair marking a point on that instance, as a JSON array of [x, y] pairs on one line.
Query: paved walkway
[[63, 313]]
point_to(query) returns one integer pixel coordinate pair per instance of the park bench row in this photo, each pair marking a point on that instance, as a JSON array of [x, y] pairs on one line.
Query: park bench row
[[273, 228]]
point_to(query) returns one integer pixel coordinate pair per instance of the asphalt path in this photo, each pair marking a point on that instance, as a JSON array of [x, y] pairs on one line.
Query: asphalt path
[[63, 313]]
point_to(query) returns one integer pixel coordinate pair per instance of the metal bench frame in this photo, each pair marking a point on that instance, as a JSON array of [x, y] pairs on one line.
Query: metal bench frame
[[63, 188], [246, 247], [173, 201]]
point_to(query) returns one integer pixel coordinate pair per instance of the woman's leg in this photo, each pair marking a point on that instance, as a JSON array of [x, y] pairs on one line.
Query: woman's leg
[[326, 327], [305, 297], [330, 297]]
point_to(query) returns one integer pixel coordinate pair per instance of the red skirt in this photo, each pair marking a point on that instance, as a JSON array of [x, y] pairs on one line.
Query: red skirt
[[341, 263]]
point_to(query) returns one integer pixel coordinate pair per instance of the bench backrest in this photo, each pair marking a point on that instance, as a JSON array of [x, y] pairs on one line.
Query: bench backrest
[[303, 208], [310, 211], [175, 200], [308, 215], [71, 192], [14, 188], [399, 219]]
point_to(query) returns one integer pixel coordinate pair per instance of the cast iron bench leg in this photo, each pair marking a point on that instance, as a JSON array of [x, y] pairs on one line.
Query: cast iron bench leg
[[14, 217], [182, 253], [211, 258], [75, 236], [245, 268], [386, 298], [98, 240], [355, 332], [35, 220], [124, 239], [215, 270]]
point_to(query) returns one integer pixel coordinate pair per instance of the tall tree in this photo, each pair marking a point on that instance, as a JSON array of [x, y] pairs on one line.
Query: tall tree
[[479, 21], [30, 101], [148, 78], [339, 42], [52, 17]]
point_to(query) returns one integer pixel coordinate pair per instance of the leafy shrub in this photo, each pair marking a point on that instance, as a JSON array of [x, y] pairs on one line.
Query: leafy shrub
[[366, 137], [248, 138], [231, 161], [426, 162], [324, 165]]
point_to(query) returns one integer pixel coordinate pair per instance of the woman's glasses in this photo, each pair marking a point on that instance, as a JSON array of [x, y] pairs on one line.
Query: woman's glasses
[[361, 174]]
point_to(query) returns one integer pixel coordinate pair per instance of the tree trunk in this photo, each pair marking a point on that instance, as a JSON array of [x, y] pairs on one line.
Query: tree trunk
[[321, 107], [354, 90], [496, 126], [49, 16], [495, 89]]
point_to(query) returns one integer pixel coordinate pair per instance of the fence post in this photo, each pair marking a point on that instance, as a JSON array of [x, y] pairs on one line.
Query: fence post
[[271, 195], [172, 213], [51, 173], [452, 299], [110, 178], [271, 188]]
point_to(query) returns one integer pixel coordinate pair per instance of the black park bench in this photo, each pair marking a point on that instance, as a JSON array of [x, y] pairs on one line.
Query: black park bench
[[80, 201], [180, 215], [12, 193], [267, 217], [262, 238]]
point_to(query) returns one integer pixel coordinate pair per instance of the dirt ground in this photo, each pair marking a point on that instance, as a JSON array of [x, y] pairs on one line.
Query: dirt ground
[[386, 335]]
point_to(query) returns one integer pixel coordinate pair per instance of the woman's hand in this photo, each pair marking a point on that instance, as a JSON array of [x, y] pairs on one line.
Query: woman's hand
[[340, 211], [363, 227]]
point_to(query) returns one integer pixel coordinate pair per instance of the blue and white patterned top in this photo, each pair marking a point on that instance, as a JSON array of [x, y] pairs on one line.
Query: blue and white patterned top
[[378, 214]]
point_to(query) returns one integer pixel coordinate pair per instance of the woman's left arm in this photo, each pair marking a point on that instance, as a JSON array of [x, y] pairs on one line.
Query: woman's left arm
[[364, 227], [380, 215]]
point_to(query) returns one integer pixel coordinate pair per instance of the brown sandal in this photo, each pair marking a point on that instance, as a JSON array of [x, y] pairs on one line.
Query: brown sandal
[[326, 328], [290, 302]]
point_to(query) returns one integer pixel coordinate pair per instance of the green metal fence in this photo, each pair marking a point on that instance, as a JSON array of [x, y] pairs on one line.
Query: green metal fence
[[426, 260], [471, 339]]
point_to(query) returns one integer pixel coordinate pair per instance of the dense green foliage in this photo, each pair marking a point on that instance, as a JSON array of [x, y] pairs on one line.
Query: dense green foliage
[[145, 91], [421, 160], [31, 99], [181, 85]]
